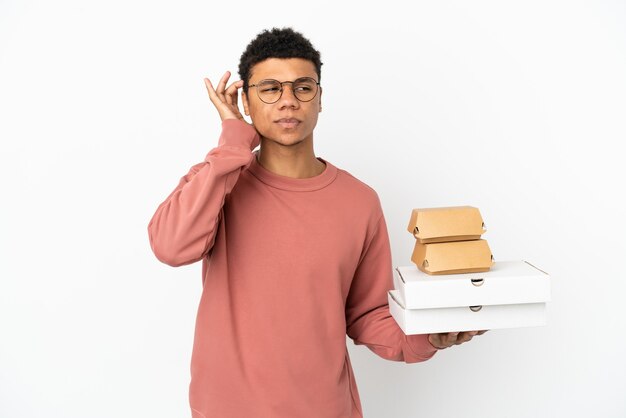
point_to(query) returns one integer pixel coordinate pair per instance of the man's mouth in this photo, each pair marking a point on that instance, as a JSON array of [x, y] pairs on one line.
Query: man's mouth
[[288, 122]]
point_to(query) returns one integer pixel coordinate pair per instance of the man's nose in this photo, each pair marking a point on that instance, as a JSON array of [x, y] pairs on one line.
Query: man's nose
[[288, 98]]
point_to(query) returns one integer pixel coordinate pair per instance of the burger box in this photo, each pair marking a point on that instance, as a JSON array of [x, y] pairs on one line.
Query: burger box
[[453, 257], [454, 223], [513, 294]]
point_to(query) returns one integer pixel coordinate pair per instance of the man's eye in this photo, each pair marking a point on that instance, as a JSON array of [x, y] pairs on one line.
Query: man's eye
[[303, 88], [269, 89]]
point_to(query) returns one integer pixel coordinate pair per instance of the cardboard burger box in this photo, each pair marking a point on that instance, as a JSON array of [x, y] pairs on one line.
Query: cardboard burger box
[[513, 294], [445, 224], [453, 257]]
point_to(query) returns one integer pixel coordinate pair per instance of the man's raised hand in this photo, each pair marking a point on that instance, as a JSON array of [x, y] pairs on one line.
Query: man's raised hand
[[225, 98]]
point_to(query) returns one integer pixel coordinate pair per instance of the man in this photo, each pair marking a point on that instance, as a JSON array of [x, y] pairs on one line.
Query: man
[[295, 252]]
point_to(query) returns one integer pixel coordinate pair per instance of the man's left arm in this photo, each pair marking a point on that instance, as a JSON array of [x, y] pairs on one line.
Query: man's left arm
[[368, 320]]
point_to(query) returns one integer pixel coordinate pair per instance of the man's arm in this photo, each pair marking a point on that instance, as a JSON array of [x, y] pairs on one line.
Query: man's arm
[[368, 320], [184, 226]]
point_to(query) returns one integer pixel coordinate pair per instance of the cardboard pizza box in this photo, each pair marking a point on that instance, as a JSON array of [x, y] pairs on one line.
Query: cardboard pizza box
[[507, 282], [465, 318]]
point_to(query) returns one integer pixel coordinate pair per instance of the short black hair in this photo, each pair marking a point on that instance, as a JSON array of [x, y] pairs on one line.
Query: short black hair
[[277, 43]]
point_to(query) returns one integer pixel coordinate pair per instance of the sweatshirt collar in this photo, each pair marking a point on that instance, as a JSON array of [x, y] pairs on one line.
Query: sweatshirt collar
[[289, 183]]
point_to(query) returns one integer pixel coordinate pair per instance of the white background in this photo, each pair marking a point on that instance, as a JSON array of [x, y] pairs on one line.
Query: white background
[[517, 108]]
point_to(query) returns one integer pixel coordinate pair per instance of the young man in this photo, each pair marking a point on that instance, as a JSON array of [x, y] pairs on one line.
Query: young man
[[295, 252]]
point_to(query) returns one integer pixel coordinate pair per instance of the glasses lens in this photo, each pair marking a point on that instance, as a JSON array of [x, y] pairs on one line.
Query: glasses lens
[[305, 89], [269, 90]]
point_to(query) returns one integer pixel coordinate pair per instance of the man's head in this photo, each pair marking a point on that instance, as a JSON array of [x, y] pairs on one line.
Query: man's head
[[283, 55], [277, 43]]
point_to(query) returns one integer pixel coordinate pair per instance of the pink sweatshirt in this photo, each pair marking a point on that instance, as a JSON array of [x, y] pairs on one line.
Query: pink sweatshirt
[[290, 266]]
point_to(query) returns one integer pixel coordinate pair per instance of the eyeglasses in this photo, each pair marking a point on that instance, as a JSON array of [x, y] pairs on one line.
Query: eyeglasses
[[270, 91]]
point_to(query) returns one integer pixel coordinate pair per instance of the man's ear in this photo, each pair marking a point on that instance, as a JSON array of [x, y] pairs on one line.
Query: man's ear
[[244, 100]]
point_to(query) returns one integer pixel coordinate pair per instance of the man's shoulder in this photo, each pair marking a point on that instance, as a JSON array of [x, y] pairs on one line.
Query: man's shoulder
[[355, 187], [355, 181]]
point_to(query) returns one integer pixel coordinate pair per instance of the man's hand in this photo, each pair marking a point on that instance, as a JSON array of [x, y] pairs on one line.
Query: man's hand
[[448, 339], [225, 99]]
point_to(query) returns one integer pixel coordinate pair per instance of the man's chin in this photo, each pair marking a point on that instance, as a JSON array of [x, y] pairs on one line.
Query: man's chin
[[285, 140]]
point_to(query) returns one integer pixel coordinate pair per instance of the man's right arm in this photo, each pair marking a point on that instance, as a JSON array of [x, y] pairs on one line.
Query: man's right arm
[[183, 228]]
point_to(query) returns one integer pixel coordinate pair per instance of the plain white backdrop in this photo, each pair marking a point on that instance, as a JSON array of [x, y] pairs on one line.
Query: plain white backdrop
[[517, 108]]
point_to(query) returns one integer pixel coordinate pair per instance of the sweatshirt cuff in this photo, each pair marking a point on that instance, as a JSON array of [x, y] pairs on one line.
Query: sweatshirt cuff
[[237, 133], [420, 346]]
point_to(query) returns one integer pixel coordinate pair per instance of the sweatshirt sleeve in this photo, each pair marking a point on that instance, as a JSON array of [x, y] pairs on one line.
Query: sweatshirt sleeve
[[368, 320], [183, 228]]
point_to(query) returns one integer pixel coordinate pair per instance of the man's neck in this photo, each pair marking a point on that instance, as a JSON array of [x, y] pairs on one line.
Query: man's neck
[[296, 161]]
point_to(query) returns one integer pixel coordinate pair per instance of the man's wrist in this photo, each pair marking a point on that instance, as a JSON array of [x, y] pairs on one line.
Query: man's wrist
[[238, 133]]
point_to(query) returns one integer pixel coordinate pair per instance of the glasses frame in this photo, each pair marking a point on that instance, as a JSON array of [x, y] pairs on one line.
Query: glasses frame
[[317, 83]]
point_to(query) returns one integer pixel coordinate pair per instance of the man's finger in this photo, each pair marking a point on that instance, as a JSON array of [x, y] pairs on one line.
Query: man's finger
[[234, 86], [221, 87], [438, 340], [451, 338], [211, 90], [464, 337], [232, 93], [223, 109]]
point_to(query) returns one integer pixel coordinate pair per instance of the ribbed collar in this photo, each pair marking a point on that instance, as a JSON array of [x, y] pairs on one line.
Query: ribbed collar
[[289, 183]]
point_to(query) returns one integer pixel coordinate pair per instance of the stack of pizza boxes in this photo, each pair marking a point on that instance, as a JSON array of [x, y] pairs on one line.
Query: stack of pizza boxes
[[454, 283]]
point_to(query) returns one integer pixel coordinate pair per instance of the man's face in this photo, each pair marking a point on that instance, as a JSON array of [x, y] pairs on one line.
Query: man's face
[[267, 117]]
